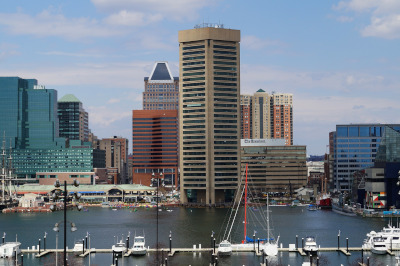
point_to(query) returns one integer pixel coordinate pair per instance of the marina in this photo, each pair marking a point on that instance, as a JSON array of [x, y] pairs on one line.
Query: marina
[[191, 235]]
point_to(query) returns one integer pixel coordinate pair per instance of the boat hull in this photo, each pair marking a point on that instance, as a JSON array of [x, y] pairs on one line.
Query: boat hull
[[138, 252]]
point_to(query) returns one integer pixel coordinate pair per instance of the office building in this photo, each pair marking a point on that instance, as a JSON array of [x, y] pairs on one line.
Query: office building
[[246, 123], [30, 125], [381, 189], [116, 156], [73, 120], [155, 146], [161, 90], [267, 116], [354, 148], [209, 113], [28, 115], [273, 166]]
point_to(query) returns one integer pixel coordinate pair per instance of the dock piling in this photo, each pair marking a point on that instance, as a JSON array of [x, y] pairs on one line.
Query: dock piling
[[258, 245], [338, 242], [317, 261], [214, 245], [39, 245], [297, 238], [83, 246], [302, 243], [254, 242], [347, 244], [367, 261], [170, 243], [22, 259], [44, 242]]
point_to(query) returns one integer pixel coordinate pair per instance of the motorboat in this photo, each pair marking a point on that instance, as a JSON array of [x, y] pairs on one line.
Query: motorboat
[[139, 247], [379, 245], [390, 235], [310, 245], [312, 207], [105, 204], [78, 247], [119, 247], [9, 249], [271, 249], [225, 248]]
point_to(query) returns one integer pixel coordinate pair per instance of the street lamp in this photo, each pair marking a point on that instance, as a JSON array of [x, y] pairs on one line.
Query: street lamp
[[157, 176], [57, 229], [56, 195]]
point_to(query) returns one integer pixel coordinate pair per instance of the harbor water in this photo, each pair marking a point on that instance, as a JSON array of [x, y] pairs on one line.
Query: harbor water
[[190, 227]]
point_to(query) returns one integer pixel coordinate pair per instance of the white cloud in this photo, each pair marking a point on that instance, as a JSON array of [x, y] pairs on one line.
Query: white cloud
[[344, 19], [113, 100], [49, 24], [102, 116], [384, 16], [252, 42], [7, 50], [60, 53], [168, 9], [254, 77], [387, 27], [129, 18]]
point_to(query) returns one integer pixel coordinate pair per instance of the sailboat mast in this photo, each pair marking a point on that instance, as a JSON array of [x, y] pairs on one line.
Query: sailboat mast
[[245, 207]]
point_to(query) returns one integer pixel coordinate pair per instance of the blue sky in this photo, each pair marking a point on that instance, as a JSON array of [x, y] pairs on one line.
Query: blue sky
[[340, 59]]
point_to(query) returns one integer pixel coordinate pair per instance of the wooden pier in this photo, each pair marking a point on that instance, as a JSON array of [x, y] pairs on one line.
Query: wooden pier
[[344, 250]]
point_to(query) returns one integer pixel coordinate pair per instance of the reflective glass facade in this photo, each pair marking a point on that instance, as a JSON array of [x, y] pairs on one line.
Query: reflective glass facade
[[27, 162], [355, 148], [29, 121], [28, 114]]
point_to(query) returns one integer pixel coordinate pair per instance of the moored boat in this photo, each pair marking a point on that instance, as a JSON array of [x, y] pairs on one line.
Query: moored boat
[[139, 247], [310, 245], [9, 249], [379, 245], [119, 247], [225, 248], [78, 247]]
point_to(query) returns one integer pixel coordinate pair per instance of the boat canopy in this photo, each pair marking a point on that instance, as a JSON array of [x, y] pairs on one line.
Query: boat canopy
[[250, 240]]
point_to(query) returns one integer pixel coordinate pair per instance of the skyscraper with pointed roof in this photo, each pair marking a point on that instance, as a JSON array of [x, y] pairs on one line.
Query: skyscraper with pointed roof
[[73, 120], [161, 90]]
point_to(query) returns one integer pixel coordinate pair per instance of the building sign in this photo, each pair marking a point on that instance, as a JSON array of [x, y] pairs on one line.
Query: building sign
[[262, 142]]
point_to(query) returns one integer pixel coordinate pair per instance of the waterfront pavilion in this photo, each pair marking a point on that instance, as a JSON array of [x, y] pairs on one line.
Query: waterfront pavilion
[[92, 193]]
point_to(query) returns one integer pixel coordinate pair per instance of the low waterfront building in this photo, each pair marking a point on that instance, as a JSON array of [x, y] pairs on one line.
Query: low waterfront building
[[92, 193], [273, 166], [79, 157]]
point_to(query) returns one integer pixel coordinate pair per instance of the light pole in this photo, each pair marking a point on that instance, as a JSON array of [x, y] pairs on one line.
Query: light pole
[[157, 176], [66, 199], [57, 229]]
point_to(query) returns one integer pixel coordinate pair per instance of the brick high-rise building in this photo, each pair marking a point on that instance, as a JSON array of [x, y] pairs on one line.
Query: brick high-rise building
[[155, 146], [267, 116], [116, 150], [209, 113], [161, 90]]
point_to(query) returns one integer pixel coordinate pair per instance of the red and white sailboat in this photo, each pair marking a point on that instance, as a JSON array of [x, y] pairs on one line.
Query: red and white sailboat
[[268, 245]]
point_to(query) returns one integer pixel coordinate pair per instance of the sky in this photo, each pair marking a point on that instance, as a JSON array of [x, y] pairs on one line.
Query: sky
[[340, 59]]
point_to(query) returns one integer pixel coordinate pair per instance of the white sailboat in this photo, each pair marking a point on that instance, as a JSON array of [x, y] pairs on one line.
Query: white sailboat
[[268, 245]]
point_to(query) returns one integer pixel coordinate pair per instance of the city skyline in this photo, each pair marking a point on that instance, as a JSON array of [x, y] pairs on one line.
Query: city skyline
[[339, 59]]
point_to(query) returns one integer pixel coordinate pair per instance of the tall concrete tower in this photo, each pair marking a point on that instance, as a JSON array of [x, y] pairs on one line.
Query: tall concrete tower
[[209, 113]]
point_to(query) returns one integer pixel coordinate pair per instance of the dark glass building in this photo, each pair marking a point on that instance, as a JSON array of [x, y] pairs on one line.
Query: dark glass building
[[354, 148], [29, 124], [73, 120]]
